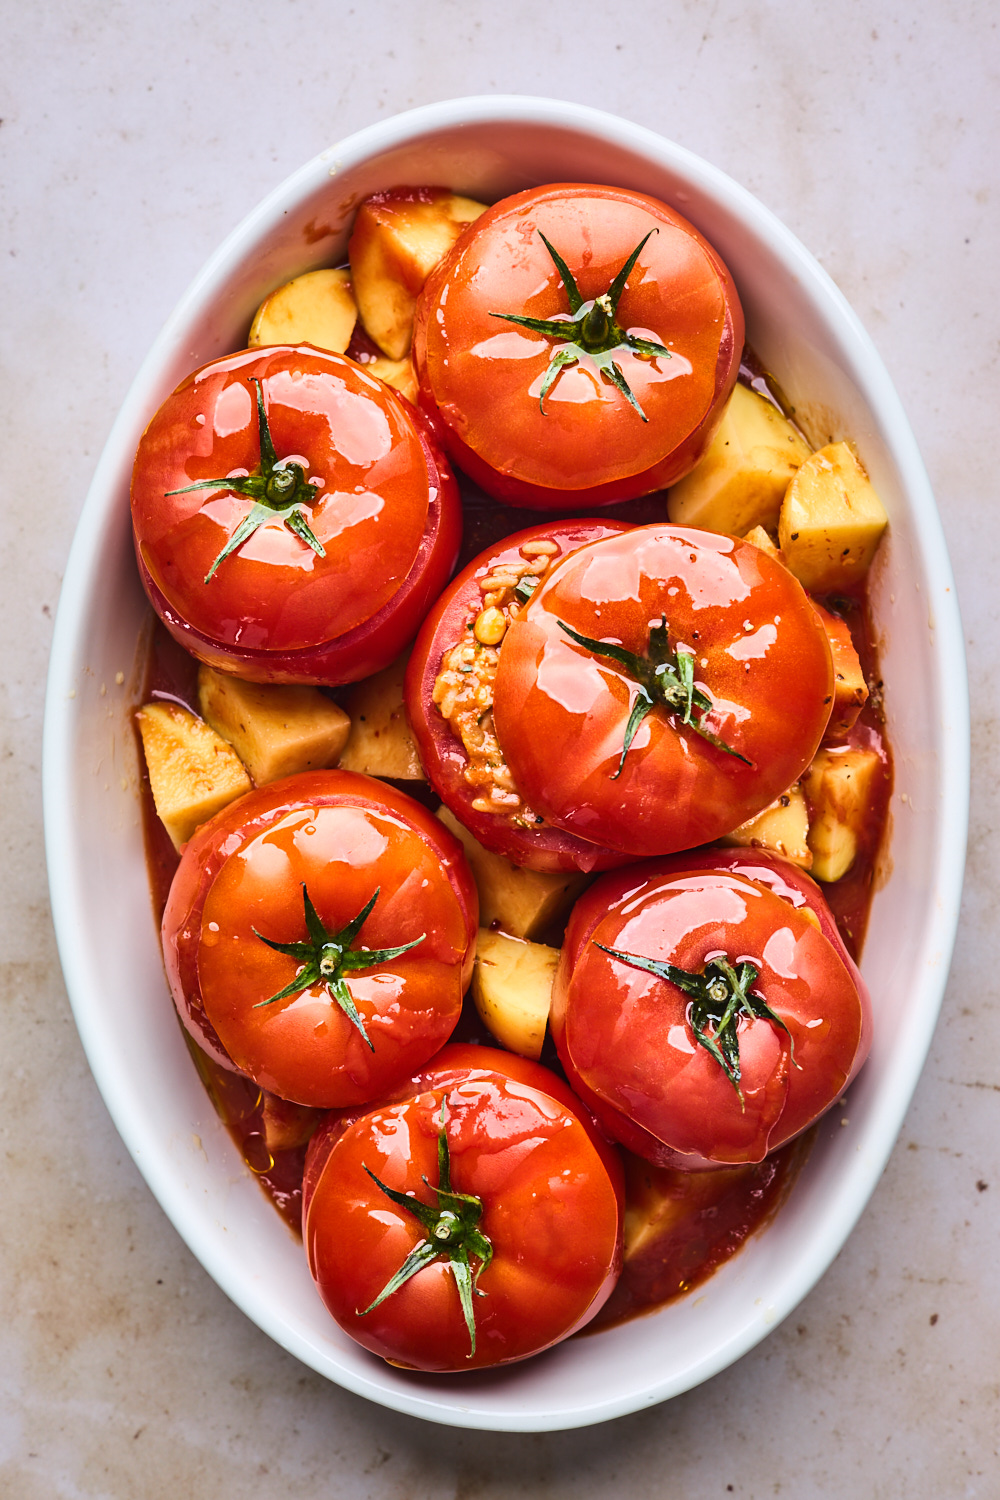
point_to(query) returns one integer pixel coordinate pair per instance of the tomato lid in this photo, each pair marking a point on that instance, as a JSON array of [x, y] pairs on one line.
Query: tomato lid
[[362, 493], [710, 699], [488, 375]]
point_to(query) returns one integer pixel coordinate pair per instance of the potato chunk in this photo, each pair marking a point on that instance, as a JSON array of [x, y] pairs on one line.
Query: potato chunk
[[524, 903], [840, 788], [315, 308], [193, 772], [399, 373], [286, 1125], [398, 239], [758, 537], [660, 1201], [512, 988], [831, 521], [742, 479], [850, 692], [275, 730], [381, 742], [783, 827]]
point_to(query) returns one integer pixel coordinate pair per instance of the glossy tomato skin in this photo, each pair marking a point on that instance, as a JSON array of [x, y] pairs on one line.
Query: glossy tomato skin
[[553, 1208], [625, 1036], [539, 847], [343, 836], [387, 514], [455, 1062], [561, 711], [589, 446]]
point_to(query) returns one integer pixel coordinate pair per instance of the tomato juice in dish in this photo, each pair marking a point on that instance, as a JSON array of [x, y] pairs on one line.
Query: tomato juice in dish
[[699, 1218]]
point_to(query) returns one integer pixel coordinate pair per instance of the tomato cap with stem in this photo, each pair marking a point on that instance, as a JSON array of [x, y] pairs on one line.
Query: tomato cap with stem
[[664, 677], [328, 956], [595, 330], [452, 1232], [279, 491], [719, 995]]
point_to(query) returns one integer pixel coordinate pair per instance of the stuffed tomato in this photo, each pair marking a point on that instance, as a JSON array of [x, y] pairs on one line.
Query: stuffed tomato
[[579, 344], [705, 1007], [449, 698], [471, 1219], [319, 936], [293, 517]]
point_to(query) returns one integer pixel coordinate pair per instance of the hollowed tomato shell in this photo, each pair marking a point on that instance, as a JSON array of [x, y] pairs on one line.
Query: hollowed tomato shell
[[553, 1209]]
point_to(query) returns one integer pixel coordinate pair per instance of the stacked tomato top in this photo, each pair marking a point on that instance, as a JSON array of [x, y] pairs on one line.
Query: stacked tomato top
[[587, 695]]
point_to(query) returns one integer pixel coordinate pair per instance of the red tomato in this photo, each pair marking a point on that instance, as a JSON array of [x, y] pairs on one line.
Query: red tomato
[[342, 519], [642, 1031], [474, 785], [581, 410], [698, 693], [319, 934], [529, 1221]]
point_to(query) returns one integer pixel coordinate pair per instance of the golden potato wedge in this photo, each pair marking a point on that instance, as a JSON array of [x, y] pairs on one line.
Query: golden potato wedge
[[831, 521], [286, 1125], [398, 239], [742, 479], [315, 308], [512, 988], [275, 730], [850, 691], [661, 1203], [399, 373], [380, 742], [193, 772], [758, 537], [840, 788], [783, 827], [524, 903]]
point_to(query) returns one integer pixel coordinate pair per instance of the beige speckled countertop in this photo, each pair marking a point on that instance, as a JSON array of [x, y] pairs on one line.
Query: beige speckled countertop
[[133, 139]]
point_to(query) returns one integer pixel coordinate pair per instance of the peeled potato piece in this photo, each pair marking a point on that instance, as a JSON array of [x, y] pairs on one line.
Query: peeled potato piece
[[850, 692], [524, 903], [783, 827], [381, 742], [399, 373], [276, 730], [757, 536], [831, 521], [316, 308], [193, 772], [512, 988], [398, 239], [742, 479], [839, 786]]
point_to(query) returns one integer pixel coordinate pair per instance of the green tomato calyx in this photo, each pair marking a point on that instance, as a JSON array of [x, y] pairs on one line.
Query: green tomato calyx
[[279, 490], [326, 958], [591, 331], [452, 1232], [718, 996], [665, 677]]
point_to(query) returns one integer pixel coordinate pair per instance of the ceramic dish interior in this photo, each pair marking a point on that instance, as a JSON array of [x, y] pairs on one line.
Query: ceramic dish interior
[[806, 334]]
